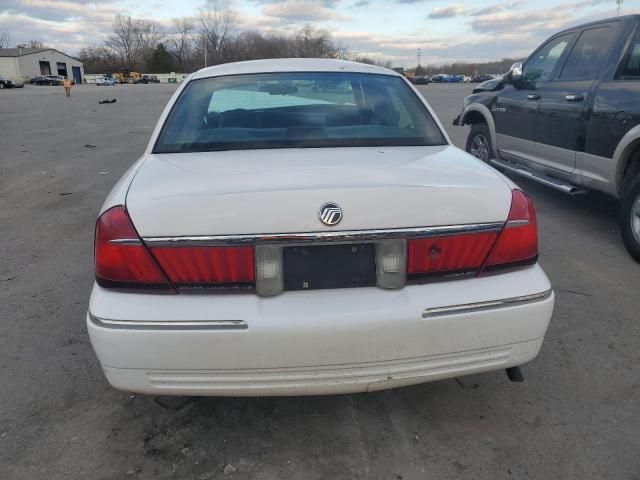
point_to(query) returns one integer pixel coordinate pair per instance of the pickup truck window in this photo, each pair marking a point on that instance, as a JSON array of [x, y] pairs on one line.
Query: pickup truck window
[[631, 69], [541, 65], [587, 55]]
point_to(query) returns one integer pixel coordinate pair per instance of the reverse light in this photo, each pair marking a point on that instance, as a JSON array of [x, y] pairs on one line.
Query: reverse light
[[269, 278], [121, 259], [391, 263]]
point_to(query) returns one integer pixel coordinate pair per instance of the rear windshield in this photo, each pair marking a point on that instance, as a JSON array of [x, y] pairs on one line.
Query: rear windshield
[[289, 110]]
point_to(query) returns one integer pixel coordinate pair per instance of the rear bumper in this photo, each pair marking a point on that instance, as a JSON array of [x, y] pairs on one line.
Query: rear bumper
[[319, 342]]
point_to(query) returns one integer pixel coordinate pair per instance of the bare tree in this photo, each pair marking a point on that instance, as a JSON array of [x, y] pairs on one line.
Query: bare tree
[[134, 40], [5, 39], [99, 59], [123, 39], [180, 42], [148, 36], [215, 31], [312, 42]]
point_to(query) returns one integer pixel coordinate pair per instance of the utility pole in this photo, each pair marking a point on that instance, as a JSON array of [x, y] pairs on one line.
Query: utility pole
[[205, 52], [419, 52], [619, 4]]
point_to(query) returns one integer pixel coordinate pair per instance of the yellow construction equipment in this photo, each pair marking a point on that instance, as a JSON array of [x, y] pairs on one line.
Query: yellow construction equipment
[[127, 76]]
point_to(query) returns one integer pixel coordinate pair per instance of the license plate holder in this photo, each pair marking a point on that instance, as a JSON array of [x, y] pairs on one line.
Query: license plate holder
[[329, 266]]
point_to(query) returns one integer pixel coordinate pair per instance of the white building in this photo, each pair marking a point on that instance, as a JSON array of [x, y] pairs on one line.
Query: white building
[[25, 63]]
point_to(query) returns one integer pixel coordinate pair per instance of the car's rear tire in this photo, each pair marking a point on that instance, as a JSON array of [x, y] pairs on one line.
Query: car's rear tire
[[630, 219], [479, 142]]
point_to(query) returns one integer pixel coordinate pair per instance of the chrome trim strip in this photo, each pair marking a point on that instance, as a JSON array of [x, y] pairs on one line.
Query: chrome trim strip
[[333, 236], [170, 325], [516, 223], [489, 305], [126, 241]]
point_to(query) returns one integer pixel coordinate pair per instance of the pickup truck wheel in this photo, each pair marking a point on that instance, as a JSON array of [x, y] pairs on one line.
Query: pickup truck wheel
[[479, 142], [630, 220]]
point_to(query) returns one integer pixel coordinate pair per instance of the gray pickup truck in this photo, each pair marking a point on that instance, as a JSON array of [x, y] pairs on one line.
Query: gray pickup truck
[[569, 117]]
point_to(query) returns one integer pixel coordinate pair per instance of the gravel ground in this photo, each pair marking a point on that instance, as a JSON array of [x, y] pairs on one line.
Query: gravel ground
[[577, 415]]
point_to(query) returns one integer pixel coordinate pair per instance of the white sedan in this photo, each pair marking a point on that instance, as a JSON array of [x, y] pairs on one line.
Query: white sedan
[[305, 226], [105, 81]]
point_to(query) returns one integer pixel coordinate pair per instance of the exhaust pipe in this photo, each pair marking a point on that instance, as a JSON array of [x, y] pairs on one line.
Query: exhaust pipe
[[515, 374]]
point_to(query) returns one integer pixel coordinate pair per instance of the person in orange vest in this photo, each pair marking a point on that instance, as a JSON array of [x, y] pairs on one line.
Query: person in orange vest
[[67, 86]]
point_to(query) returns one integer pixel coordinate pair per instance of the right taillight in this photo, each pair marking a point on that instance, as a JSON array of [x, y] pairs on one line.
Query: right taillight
[[518, 241]]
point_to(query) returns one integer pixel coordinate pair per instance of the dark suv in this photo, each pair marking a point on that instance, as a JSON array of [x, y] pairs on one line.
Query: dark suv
[[569, 117]]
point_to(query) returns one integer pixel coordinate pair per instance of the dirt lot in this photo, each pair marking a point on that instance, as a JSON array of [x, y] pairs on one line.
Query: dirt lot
[[577, 415]]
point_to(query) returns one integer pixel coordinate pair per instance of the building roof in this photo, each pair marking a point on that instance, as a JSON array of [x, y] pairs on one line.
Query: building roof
[[17, 52], [290, 65], [21, 52]]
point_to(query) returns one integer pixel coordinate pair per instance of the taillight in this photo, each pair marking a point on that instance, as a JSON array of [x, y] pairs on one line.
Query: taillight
[[518, 241], [207, 267], [464, 253], [472, 253], [121, 259]]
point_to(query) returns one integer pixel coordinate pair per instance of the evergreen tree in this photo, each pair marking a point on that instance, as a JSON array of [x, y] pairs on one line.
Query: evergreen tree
[[161, 61]]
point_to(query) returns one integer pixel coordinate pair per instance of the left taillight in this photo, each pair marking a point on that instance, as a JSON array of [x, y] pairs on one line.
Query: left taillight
[[121, 259], [202, 268]]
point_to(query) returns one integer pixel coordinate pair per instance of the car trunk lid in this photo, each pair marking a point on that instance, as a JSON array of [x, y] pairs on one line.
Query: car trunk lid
[[281, 190]]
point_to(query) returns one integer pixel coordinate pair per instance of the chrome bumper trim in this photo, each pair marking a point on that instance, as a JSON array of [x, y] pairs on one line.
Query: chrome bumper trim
[[333, 236], [489, 305], [169, 325]]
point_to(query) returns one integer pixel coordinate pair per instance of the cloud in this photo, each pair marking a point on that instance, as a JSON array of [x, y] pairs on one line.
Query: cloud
[[541, 22], [324, 3], [447, 12], [302, 11], [361, 3], [498, 7]]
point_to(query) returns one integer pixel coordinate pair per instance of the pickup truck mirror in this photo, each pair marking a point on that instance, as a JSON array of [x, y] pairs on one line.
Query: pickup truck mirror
[[515, 73]]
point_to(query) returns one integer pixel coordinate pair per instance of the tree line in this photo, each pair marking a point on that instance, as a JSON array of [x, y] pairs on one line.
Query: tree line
[[210, 39], [468, 68]]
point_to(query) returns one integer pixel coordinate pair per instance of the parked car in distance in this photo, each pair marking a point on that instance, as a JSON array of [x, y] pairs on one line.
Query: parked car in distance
[[276, 239], [489, 86], [441, 78], [6, 82], [569, 117], [421, 80], [47, 80], [481, 78], [40, 80], [105, 81], [55, 79]]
